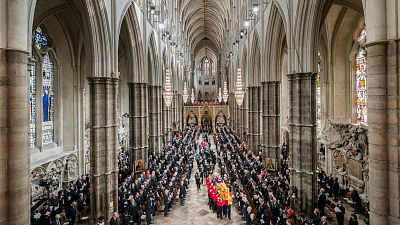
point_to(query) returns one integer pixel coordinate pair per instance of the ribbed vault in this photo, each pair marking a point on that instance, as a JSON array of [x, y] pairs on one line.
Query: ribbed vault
[[204, 21]]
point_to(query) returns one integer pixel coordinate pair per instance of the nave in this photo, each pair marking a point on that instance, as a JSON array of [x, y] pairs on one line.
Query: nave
[[93, 91]]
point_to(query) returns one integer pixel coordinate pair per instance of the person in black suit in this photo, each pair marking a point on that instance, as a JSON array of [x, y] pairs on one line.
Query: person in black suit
[[353, 220], [71, 213], [133, 211], [356, 199], [322, 202], [114, 219], [336, 189], [324, 221], [340, 213]]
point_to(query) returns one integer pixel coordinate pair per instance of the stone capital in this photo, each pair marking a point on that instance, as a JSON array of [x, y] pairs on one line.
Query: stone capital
[[303, 76]]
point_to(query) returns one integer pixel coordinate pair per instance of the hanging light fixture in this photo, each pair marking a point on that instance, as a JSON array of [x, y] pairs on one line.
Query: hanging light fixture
[[192, 96], [225, 93], [185, 95], [239, 92], [168, 94], [219, 95]]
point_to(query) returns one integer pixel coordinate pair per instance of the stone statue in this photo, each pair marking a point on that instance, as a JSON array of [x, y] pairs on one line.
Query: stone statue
[[70, 167]]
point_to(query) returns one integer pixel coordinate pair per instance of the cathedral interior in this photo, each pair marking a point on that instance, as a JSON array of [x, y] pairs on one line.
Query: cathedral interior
[[90, 89]]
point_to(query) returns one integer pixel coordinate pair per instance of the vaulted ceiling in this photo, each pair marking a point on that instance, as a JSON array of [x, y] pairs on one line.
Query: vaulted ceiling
[[205, 23]]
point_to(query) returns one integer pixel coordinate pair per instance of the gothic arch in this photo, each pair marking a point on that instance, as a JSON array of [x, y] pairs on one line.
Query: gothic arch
[[255, 61], [277, 43], [153, 62], [130, 41]]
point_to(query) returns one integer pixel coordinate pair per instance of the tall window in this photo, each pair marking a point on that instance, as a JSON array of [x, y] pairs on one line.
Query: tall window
[[32, 105], [361, 80], [48, 100], [318, 94], [41, 92]]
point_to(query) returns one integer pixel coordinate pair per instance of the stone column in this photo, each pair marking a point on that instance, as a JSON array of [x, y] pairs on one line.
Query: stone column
[[174, 108], [14, 138], [271, 119], [231, 103], [254, 118], [379, 122], [4, 137], [139, 129], [154, 120], [104, 168], [393, 55], [244, 119], [302, 128], [383, 116], [179, 109]]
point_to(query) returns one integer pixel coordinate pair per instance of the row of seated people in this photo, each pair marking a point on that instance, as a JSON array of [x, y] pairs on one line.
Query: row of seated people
[[67, 205], [156, 189], [263, 198]]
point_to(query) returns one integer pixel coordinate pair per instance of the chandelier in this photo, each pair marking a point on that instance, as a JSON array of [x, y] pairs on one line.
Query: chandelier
[[239, 92], [167, 90], [185, 95], [225, 93], [192, 96], [219, 95]]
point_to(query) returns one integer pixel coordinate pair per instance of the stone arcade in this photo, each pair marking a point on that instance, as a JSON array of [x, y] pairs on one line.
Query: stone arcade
[[83, 80]]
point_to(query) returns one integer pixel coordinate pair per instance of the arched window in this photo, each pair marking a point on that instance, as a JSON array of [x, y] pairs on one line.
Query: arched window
[[41, 92], [318, 93], [361, 80], [32, 104], [48, 100]]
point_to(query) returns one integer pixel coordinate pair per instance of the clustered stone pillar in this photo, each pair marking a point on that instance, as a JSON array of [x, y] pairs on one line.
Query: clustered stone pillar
[[254, 118], [383, 113], [14, 150], [138, 107], [174, 108], [155, 119], [167, 124], [302, 126], [104, 168], [179, 111], [244, 118], [271, 118], [232, 109]]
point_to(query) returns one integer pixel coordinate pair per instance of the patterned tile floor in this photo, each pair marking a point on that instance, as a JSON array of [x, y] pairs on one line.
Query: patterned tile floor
[[196, 211]]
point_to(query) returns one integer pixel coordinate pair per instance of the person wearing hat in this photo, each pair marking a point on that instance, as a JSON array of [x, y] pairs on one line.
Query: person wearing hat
[[100, 220]]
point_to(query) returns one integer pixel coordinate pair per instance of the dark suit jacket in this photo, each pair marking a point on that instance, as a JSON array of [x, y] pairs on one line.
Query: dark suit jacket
[[113, 221]]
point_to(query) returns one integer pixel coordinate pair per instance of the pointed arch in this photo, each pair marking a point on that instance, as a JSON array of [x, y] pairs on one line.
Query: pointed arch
[[276, 46], [153, 62], [130, 42], [255, 61]]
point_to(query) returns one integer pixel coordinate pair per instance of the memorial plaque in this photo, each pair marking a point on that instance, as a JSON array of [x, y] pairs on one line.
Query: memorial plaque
[[354, 168]]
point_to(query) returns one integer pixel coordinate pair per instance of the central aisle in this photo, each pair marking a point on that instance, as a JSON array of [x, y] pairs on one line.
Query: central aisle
[[196, 211]]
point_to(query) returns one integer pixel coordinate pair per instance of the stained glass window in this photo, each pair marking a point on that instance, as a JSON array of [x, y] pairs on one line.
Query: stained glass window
[[48, 100], [361, 80], [318, 94], [32, 106], [39, 39]]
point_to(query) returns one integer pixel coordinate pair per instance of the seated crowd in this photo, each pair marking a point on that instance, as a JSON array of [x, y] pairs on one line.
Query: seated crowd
[[65, 205], [262, 198]]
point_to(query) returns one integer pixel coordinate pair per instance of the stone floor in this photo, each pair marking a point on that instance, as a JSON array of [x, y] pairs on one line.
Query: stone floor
[[196, 211]]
